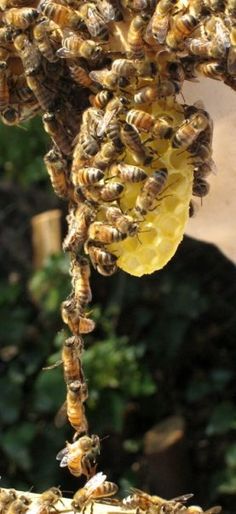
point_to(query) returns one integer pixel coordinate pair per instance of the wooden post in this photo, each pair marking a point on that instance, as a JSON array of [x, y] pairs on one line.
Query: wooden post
[[46, 235]]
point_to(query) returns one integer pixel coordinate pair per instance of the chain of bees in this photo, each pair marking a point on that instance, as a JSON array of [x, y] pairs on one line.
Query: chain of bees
[[126, 155]]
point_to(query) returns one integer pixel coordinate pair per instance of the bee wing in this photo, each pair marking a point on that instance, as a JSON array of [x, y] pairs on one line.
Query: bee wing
[[183, 498], [161, 35], [107, 10], [213, 510], [63, 53], [93, 20], [61, 416], [95, 481], [62, 453], [222, 35], [97, 75], [103, 124]]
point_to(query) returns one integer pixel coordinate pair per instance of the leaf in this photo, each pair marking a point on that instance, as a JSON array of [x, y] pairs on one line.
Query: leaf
[[222, 420]]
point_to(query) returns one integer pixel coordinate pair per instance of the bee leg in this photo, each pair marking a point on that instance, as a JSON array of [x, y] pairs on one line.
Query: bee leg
[[57, 363]]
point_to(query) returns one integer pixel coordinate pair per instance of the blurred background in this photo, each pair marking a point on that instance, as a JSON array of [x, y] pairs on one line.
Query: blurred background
[[160, 365]]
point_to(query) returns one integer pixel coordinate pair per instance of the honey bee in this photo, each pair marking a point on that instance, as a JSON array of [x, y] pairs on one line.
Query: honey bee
[[71, 315], [47, 501], [148, 503], [87, 176], [130, 173], [162, 128], [151, 189], [124, 67], [94, 21], [77, 393], [188, 132], [11, 116], [6, 498], [80, 75], [135, 36], [44, 95], [20, 18], [41, 33], [56, 168], [183, 26], [106, 193], [61, 15], [131, 139], [75, 46], [28, 52], [109, 123], [80, 271], [80, 456], [125, 224], [231, 58], [88, 145], [200, 187], [110, 10], [57, 133], [108, 79], [19, 506], [101, 99], [160, 19], [146, 95], [4, 89], [211, 69], [231, 7], [106, 156], [102, 260], [104, 233], [71, 352], [97, 487], [78, 227], [143, 121]]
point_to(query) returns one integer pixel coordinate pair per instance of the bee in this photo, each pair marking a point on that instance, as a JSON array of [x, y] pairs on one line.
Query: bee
[[200, 187], [151, 189], [94, 21], [57, 170], [231, 7], [146, 95], [109, 123], [143, 121], [104, 233], [7, 35], [57, 132], [78, 227], [77, 393], [44, 95], [19, 91], [80, 75], [61, 15], [6, 498], [131, 139], [130, 173], [4, 89], [87, 145], [47, 501], [71, 352], [109, 79], [102, 260], [135, 36], [71, 315], [107, 193], [231, 58], [20, 18], [160, 19], [41, 32], [211, 69], [80, 271], [106, 156], [110, 10], [113, 134], [148, 503], [75, 46], [206, 48], [101, 99], [97, 487], [11, 116], [80, 456], [124, 67], [183, 26], [19, 506], [188, 132], [162, 128], [125, 224], [87, 176], [29, 53]]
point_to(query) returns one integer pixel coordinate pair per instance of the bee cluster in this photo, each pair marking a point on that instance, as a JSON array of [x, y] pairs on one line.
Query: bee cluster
[[126, 155], [97, 489]]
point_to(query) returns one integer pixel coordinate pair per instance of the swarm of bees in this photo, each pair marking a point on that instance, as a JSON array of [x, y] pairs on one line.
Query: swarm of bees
[[127, 155], [96, 489]]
